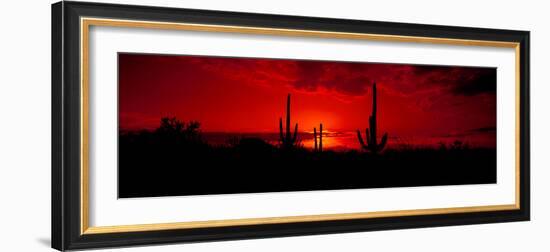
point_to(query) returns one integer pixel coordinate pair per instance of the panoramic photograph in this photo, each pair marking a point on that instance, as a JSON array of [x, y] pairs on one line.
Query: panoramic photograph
[[197, 125]]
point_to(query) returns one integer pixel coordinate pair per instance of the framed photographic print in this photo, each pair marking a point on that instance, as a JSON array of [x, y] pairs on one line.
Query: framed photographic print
[[180, 125]]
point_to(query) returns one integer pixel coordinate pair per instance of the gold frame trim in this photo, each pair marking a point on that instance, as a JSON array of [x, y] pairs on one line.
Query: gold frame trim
[[85, 24]]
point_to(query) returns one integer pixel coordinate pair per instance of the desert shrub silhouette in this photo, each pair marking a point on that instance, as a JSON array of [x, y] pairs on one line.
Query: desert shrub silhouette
[[174, 130], [177, 159]]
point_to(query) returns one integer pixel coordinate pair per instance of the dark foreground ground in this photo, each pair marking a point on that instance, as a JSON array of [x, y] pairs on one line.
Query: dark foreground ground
[[166, 164]]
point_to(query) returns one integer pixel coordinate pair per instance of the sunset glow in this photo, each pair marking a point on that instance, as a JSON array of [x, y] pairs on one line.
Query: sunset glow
[[417, 105]]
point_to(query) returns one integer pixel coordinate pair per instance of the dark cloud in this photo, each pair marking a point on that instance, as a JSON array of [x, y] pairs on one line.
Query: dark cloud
[[344, 78], [467, 81], [484, 81], [355, 78]]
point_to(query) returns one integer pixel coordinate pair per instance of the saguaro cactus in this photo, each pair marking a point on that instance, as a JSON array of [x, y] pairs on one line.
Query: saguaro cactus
[[321, 137], [318, 147], [370, 134], [287, 140], [315, 138]]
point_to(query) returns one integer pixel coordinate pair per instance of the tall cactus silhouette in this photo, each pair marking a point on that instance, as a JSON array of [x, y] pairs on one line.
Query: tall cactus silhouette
[[321, 137], [319, 146], [287, 140], [370, 135], [315, 138]]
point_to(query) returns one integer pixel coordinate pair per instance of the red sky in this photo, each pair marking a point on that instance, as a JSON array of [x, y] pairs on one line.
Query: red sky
[[249, 95]]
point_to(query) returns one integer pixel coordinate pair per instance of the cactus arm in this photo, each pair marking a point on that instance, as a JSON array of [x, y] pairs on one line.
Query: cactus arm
[[288, 118], [361, 139], [383, 142], [367, 136], [281, 136], [295, 134]]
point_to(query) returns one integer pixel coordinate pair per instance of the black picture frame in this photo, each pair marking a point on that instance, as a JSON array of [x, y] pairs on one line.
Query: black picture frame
[[66, 125]]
